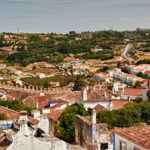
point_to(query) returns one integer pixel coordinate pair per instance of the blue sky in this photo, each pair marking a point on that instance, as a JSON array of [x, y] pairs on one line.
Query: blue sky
[[62, 16]]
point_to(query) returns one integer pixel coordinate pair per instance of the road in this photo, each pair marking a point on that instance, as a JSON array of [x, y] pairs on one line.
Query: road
[[126, 51]]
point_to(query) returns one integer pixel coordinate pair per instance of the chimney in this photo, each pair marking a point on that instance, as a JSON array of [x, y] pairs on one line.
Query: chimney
[[93, 117], [100, 87], [87, 87], [121, 92], [105, 94], [94, 87], [23, 115], [145, 94], [129, 98], [45, 111], [35, 114], [42, 93], [37, 104], [84, 94]]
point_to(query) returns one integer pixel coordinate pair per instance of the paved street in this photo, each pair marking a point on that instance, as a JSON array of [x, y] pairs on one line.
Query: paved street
[[126, 51]]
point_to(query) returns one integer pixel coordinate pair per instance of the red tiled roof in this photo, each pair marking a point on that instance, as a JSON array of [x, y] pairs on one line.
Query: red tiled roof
[[12, 96], [147, 72], [118, 104], [132, 91], [144, 64], [13, 115], [99, 108], [131, 66], [69, 59], [97, 95], [53, 83], [42, 101], [55, 114], [70, 97], [9, 82], [139, 70], [139, 135]]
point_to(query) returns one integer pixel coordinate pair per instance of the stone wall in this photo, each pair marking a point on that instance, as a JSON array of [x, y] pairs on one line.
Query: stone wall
[[52, 127], [82, 131], [91, 136]]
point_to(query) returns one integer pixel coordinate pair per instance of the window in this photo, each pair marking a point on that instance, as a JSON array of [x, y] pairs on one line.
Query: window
[[123, 145], [104, 146]]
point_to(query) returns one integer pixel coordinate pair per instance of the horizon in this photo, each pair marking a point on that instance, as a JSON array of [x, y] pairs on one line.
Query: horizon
[[72, 30]]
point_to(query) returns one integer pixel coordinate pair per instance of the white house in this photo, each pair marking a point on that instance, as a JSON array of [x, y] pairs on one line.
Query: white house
[[124, 77], [54, 84], [18, 81], [101, 77], [92, 97], [133, 93], [17, 72], [31, 137], [2, 66], [147, 72], [40, 75]]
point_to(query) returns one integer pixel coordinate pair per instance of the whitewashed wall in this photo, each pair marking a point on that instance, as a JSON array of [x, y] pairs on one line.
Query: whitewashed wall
[[130, 145]]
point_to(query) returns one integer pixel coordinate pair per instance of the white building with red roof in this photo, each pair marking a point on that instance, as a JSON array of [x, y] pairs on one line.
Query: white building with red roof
[[40, 75], [12, 116], [147, 72], [103, 78], [24, 135], [54, 84], [124, 77], [91, 97], [133, 93], [139, 68], [17, 72], [132, 138]]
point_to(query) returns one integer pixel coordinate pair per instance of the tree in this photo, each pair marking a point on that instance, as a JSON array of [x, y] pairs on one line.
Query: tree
[[66, 127], [78, 84], [129, 115], [139, 99], [137, 84], [46, 85], [105, 68]]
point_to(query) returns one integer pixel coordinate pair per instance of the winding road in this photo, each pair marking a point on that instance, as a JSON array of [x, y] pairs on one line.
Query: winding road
[[126, 51]]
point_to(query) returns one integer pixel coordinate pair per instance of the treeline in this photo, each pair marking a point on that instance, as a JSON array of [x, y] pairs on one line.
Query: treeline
[[56, 48], [103, 55], [130, 115], [53, 48]]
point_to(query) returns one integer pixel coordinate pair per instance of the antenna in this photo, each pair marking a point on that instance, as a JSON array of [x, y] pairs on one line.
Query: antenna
[[18, 30]]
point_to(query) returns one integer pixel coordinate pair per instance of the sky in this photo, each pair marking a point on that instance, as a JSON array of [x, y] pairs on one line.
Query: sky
[[62, 16]]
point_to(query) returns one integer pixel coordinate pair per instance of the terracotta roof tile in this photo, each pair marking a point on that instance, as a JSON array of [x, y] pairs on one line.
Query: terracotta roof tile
[[13, 115], [147, 72], [99, 108], [118, 104], [139, 135], [132, 91], [98, 95], [55, 114]]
